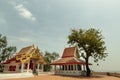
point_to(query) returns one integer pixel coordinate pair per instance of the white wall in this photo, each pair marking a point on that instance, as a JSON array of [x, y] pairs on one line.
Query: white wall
[[13, 63]]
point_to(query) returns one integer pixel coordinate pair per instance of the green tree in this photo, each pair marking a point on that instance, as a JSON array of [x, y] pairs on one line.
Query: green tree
[[50, 57], [90, 43], [5, 51], [54, 56]]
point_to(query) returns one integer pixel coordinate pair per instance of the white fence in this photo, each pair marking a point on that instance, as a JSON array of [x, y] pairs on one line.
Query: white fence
[[72, 73]]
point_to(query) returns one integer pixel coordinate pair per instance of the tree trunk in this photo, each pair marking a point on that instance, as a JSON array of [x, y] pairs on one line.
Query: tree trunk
[[87, 68]]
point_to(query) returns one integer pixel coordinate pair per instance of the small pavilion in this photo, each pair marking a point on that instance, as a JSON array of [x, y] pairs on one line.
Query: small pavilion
[[70, 63], [26, 60]]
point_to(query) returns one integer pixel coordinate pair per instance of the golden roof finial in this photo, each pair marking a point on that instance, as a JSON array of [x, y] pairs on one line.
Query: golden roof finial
[[33, 46], [37, 47]]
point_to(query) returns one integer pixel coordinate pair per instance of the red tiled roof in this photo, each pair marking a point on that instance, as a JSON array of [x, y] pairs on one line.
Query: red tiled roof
[[68, 60], [6, 62], [11, 59], [69, 52]]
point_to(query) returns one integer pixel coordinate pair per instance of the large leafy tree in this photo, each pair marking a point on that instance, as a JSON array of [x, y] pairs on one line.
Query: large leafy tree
[[5, 51], [90, 43]]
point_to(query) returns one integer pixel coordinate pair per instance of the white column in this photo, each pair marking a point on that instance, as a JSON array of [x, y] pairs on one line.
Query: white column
[[84, 67], [28, 67], [62, 67], [22, 67], [73, 67], [65, 67], [38, 67], [68, 67], [76, 67]]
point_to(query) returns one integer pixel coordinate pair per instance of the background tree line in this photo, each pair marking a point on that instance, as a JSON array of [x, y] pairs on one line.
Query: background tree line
[[5, 51], [50, 57]]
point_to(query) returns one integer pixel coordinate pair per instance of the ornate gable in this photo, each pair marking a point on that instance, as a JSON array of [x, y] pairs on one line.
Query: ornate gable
[[70, 52]]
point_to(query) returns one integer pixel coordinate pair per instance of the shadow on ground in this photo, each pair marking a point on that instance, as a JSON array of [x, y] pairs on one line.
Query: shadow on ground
[[93, 76]]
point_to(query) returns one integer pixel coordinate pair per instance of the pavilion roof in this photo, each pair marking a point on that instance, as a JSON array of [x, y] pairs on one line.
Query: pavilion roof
[[70, 56], [69, 52], [68, 60]]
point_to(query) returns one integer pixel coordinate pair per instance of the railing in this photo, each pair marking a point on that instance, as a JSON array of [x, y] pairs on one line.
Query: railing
[[30, 71], [72, 72]]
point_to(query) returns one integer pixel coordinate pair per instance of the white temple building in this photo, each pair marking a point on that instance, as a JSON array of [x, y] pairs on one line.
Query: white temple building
[[26, 60], [70, 63]]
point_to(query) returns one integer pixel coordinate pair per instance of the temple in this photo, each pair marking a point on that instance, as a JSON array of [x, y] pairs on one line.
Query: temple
[[70, 63], [26, 60]]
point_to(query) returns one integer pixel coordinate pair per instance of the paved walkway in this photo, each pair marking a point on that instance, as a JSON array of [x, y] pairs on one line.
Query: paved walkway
[[20, 75], [15, 75]]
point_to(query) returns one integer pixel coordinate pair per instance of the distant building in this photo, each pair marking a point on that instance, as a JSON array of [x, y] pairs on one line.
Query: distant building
[[28, 59], [70, 63]]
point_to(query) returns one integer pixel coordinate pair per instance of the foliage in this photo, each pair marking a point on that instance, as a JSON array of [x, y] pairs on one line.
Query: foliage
[[5, 51], [90, 43], [50, 57]]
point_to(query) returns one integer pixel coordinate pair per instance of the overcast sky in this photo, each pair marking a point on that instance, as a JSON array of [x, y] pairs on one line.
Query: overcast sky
[[47, 23]]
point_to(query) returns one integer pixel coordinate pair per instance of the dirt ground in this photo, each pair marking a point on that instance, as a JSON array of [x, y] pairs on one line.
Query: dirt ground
[[58, 77]]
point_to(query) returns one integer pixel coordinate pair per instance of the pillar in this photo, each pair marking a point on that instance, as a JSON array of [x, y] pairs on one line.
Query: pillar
[[68, 67], [73, 67], [22, 67], [76, 67], [28, 67], [84, 67], [38, 67], [65, 67]]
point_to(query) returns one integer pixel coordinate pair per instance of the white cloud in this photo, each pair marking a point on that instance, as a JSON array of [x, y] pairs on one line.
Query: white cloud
[[25, 12], [24, 39], [21, 39]]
